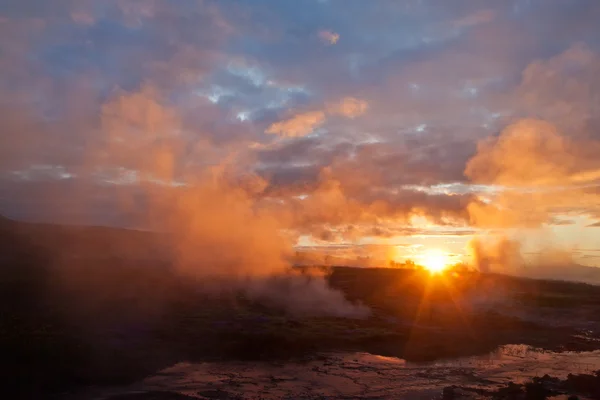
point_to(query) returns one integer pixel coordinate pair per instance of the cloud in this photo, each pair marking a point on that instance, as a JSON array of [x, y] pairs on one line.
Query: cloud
[[530, 153], [305, 123], [378, 128], [539, 169], [349, 107], [341, 198], [329, 37], [299, 125], [476, 18], [83, 18], [561, 89]]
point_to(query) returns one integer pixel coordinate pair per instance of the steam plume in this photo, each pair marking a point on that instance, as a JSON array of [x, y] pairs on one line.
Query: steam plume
[[217, 229], [496, 254], [540, 173]]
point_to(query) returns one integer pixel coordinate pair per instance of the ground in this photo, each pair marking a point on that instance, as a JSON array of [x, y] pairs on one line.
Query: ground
[[101, 320]]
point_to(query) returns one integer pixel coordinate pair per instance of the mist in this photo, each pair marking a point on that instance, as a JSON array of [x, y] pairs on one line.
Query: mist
[[215, 228], [496, 254], [221, 237], [539, 171]]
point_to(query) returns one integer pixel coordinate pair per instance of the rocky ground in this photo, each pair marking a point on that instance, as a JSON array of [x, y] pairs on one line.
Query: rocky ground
[[511, 372]]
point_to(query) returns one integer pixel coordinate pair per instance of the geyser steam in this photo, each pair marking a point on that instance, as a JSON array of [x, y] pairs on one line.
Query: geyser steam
[[218, 228], [540, 173]]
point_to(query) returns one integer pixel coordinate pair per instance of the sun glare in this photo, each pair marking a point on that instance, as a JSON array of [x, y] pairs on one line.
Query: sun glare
[[435, 261]]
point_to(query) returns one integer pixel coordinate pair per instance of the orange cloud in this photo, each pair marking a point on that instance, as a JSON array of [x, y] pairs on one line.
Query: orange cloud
[[529, 152], [349, 107], [305, 123], [534, 153], [299, 125], [539, 170], [562, 89]]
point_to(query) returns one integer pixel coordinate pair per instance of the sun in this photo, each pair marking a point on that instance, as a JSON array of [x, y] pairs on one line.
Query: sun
[[435, 261]]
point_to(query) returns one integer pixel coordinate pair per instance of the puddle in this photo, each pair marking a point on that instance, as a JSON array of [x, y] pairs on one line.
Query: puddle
[[361, 375]]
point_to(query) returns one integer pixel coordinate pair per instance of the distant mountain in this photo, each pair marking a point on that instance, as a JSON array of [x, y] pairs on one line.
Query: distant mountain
[[67, 241]]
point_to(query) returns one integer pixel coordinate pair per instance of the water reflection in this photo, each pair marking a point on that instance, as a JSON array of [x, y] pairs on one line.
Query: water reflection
[[529, 361], [364, 375]]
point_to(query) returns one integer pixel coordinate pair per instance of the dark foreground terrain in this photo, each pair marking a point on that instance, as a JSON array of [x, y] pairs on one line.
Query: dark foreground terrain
[[87, 307]]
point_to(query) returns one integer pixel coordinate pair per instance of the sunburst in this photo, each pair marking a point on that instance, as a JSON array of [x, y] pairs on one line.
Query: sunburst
[[435, 261]]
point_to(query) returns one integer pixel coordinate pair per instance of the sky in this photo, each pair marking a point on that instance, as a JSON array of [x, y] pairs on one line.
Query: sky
[[370, 127]]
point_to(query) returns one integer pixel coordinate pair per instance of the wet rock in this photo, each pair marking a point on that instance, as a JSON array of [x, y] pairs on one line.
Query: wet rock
[[282, 378], [449, 393], [362, 375], [511, 392], [585, 384], [153, 395], [547, 387], [218, 394], [541, 388], [460, 392], [535, 391]]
